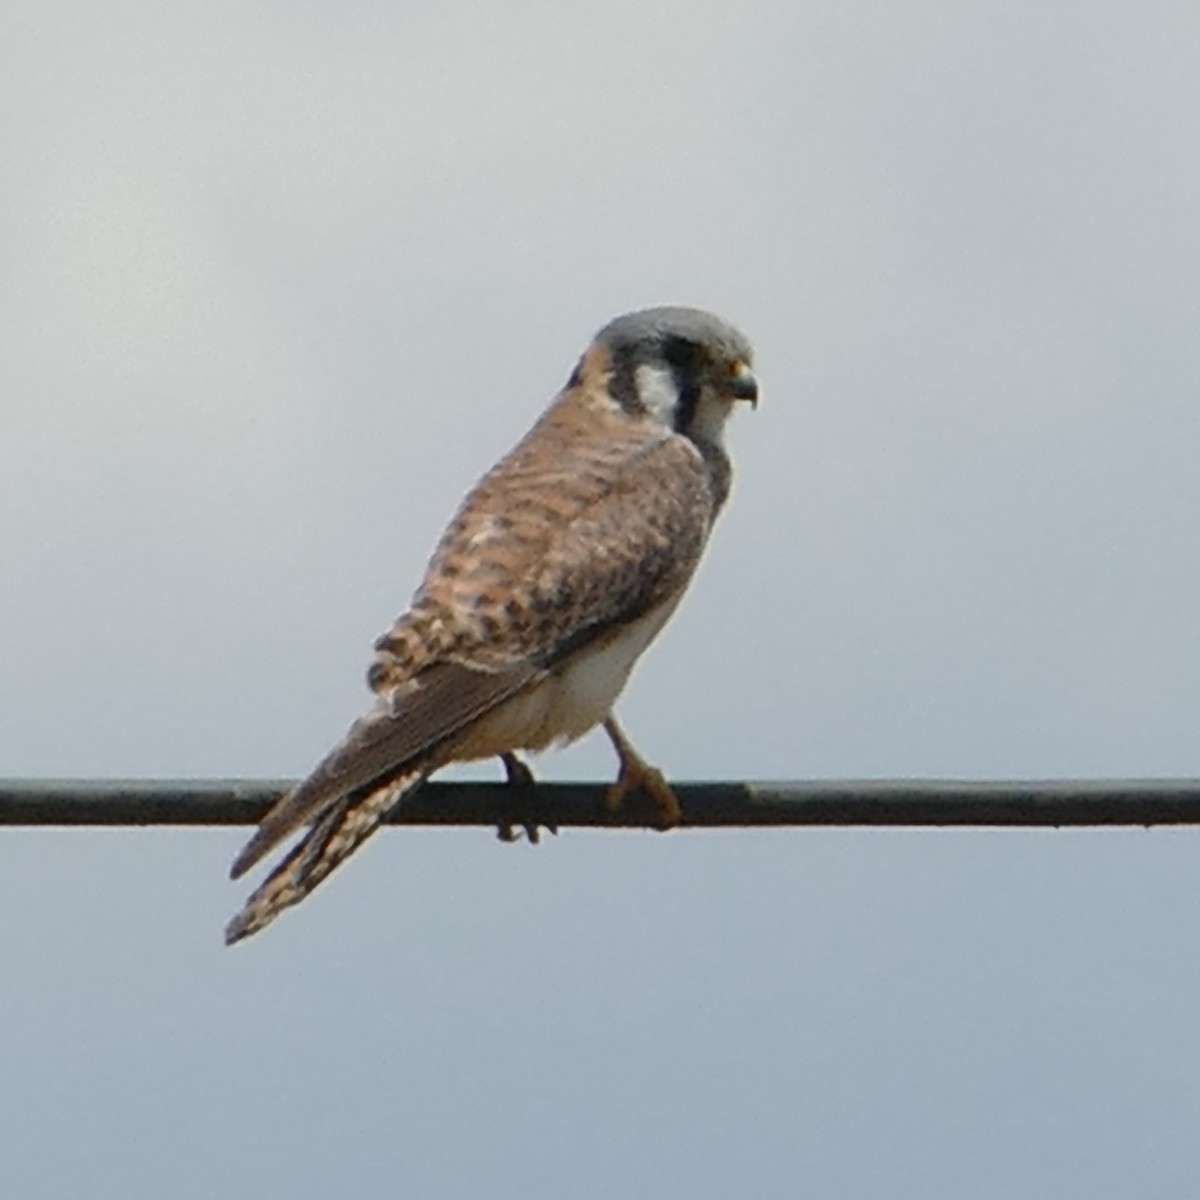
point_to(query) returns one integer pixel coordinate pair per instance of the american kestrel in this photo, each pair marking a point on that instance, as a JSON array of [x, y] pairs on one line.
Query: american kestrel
[[558, 570]]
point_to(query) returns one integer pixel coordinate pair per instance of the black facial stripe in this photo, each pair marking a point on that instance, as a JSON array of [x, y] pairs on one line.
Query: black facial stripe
[[689, 397], [623, 384], [681, 355], [687, 363], [683, 358]]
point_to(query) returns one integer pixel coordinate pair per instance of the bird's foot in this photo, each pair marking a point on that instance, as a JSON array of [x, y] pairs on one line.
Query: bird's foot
[[518, 774], [637, 774]]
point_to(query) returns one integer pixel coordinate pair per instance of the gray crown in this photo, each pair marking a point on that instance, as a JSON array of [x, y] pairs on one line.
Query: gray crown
[[650, 327]]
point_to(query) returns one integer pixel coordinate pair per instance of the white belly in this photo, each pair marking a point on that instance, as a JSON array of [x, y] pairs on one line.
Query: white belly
[[588, 684], [577, 696]]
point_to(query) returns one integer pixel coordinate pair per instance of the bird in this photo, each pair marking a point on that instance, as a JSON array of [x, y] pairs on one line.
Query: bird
[[559, 568]]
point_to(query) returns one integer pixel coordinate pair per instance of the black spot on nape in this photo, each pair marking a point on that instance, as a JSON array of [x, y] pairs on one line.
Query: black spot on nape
[[576, 375]]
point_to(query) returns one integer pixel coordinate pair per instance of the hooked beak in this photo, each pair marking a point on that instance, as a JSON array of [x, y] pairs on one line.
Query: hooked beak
[[744, 385]]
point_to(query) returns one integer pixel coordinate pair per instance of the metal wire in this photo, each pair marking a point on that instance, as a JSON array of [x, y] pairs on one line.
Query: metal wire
[[911, 802]]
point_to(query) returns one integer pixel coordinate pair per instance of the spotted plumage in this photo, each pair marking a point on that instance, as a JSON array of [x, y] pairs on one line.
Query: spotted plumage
[[557, 571]]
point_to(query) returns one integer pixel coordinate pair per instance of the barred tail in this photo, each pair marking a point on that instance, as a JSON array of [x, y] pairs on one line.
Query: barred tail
[[329, 842]]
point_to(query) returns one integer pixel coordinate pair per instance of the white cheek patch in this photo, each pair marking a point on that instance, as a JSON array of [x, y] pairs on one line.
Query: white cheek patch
[[708, 421], [658, 391]]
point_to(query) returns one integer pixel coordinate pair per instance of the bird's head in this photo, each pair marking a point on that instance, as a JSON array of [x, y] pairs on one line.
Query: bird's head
[[682, 366]]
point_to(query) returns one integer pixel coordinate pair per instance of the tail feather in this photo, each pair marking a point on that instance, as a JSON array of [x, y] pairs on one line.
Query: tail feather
[[332, 838], [405, 725]]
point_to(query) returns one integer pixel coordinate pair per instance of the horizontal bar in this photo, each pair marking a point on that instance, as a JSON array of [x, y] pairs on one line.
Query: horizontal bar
[[874, 802]]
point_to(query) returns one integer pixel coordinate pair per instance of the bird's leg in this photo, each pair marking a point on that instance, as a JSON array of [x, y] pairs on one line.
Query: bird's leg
[[636, 773], [518, 774], [516, 771]]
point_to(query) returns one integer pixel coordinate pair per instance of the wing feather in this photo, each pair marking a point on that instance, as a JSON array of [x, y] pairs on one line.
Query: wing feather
[[548, 553], [626, 554], [402, 727], [591, 521]]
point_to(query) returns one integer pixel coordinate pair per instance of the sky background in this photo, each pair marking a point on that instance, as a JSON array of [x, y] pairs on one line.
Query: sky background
[[280, 280]]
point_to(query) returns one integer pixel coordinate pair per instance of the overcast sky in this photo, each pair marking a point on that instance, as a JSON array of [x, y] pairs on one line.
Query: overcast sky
[[279, 281]]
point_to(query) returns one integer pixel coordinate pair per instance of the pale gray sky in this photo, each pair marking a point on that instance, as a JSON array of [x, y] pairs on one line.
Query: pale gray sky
[[279, 281]]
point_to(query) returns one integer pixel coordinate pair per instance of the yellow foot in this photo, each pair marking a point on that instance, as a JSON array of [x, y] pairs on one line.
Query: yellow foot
[[518, 774], [635, 773]]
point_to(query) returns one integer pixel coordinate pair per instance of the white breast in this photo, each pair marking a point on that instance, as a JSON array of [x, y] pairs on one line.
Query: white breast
[[577, 696], [588, 684]]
